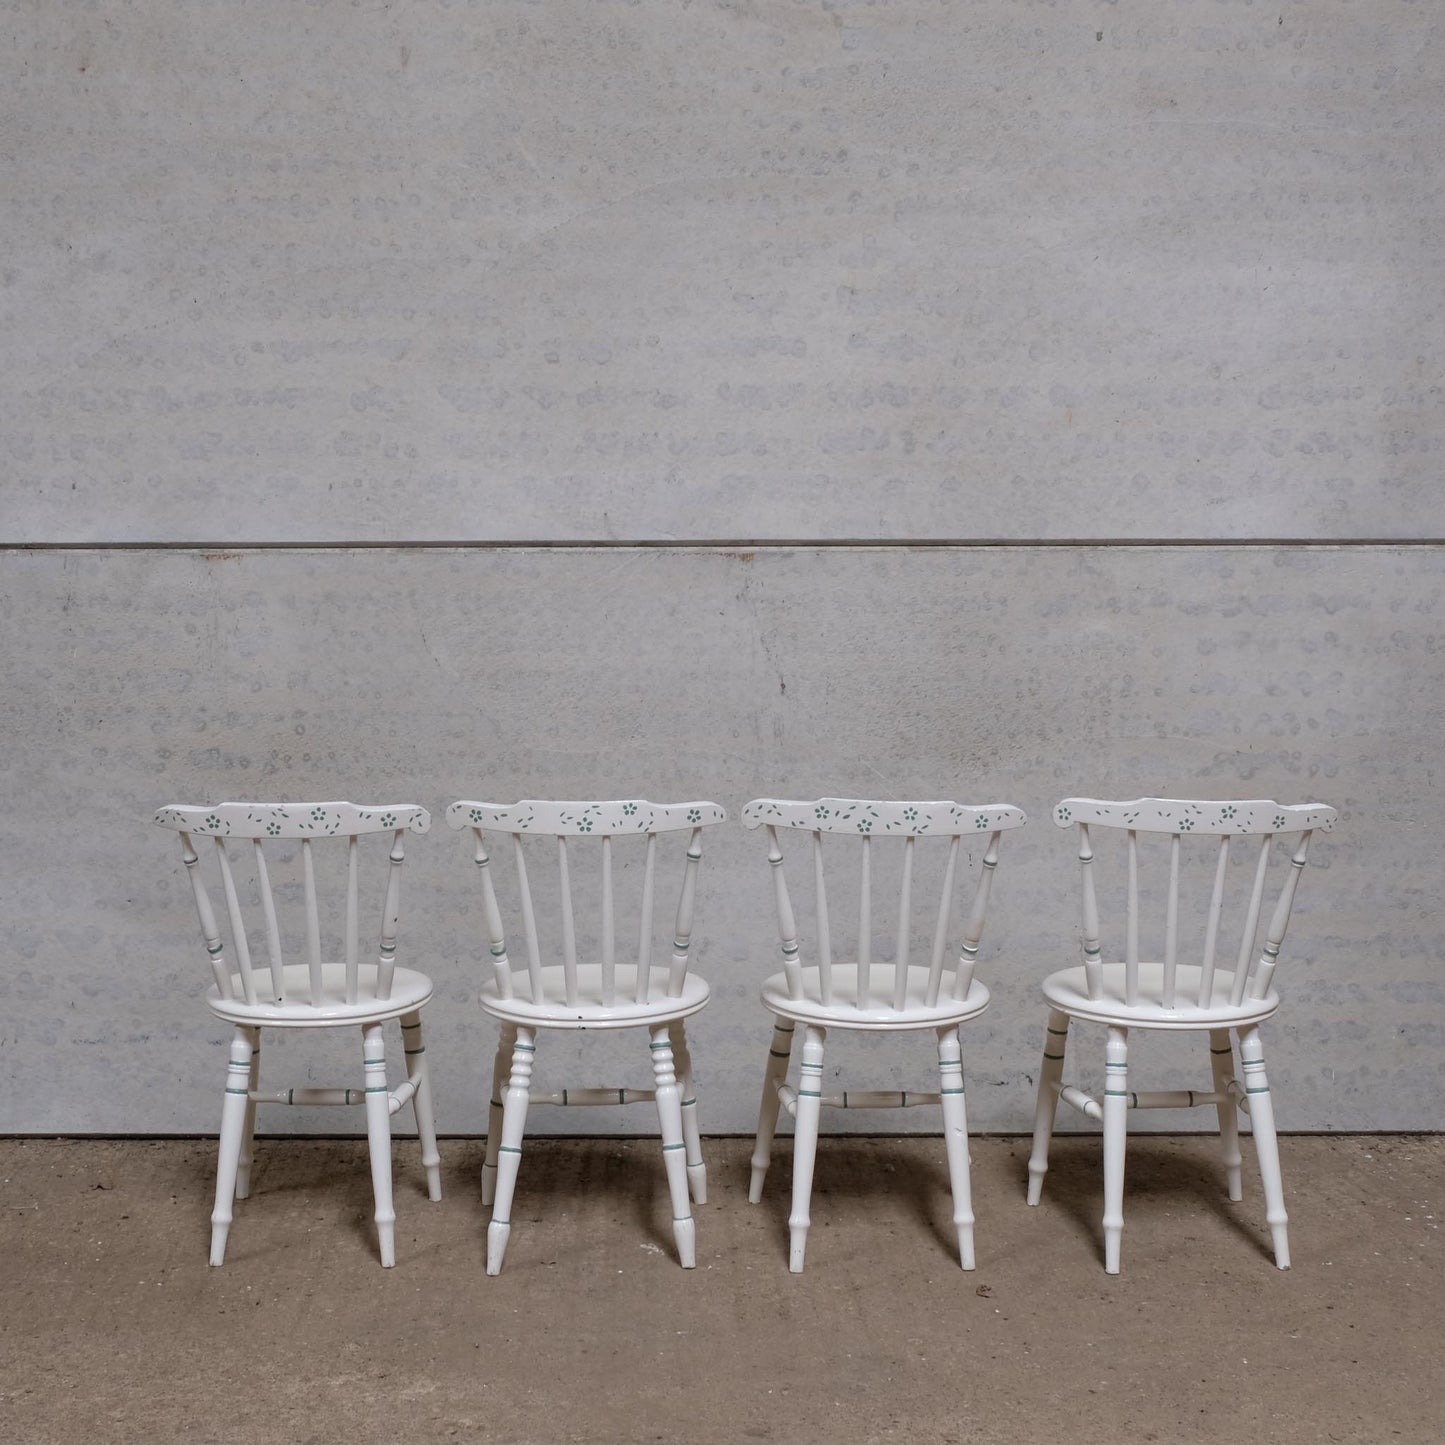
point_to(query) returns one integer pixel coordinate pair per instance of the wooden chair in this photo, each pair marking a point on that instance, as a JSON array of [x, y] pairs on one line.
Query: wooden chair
[[300, 838], [892, 995], [1231, 844], [602, 992]]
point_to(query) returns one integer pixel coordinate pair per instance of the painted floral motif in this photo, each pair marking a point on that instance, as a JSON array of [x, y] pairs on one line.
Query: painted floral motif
[[910, 815], [1227, 812], [388, 820], [629, 809], [1064, 814], [1279, 820], [318, 815], [212, 820], [274, 829], [694, 815], [1185, 824]]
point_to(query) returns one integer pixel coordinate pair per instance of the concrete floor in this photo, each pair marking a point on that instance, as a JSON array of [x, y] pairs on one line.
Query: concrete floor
[[113, 1328]]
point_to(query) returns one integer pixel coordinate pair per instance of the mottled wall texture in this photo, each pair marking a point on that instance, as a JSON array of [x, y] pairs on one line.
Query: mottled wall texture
[[990, 399]]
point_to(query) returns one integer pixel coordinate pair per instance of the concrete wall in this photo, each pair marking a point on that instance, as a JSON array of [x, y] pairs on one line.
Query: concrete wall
[[991, 400]]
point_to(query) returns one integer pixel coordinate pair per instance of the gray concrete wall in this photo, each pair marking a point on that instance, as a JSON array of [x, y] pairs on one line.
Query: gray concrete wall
[[1014, 399]]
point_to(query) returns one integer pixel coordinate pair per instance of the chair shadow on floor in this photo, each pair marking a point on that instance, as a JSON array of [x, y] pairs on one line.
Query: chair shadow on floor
[[327, 1177], [1180, 1175], [864, 1175]]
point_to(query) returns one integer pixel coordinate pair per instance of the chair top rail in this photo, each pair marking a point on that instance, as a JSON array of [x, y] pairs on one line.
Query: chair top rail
[[601, 819], [1231, 817], [292, 820], [897, 819]]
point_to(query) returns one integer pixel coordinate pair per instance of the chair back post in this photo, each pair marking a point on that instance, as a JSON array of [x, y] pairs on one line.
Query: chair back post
[[215, 948], [390, 914], [973, 928], [496, 935], [787, 922], [1092, 946], [682, 931]]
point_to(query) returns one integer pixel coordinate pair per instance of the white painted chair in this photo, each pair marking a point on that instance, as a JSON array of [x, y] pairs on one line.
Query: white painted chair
[[845, 988], [1229, 845], [301, 839], [591, 987]]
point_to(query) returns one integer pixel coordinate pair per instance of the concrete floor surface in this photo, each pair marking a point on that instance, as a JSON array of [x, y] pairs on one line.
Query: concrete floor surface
[[113, 1327]]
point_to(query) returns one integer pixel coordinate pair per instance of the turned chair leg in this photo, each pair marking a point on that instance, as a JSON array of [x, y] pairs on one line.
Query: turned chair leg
[[691, 1134], [233, 1123], [1221, 1059], [1266, 1142], [248, 1130], [669, 1113], [1116, 1116], [421, 1101], [1046, 1106], [805, 1143], [501, 1062], [779, 1053], [378, 1138], [509, 1149], [955, 1137]]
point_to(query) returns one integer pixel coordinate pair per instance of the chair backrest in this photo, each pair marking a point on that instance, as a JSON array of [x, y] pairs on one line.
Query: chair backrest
[[869, 826], [613, 832], [1241, 834], [288, 833]]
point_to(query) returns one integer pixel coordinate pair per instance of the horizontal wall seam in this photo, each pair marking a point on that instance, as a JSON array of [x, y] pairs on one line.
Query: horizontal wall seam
[[742, 544]]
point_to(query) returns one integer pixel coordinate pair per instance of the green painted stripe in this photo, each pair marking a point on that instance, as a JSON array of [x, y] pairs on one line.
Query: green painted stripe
[[526, 1048], [950, 1091], [376, 1089], [217, 949], [790, 948], [421, 1050], [1225, 1050], [496, 1103], [238, 1091], [778, 1054], [498, 950], [809, 1094], [664, 1044], [506, 1222], [508, 1149], [1116, 1093], [1060, 1033], [686, 1103], [682, 1219], [388, 948], [1262, 1090], [1053, 1056], [668, 1148]]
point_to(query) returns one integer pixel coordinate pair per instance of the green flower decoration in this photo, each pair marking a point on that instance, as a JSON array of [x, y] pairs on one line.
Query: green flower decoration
[[1280, 820], [694, 815], [865, 825], [476, 815], [584, 825], [911, 814], [629, 808], [981, 821], [318, 815], [274, 829], [1065, 815], [1186, 824], [212, 820], [388, 820], [1227, 811]]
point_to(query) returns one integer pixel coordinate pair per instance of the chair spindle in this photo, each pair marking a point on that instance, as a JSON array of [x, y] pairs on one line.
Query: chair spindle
[[238, 925], [865, 923], [1251, 924], [787, 924], [1131, 925], [1211, 927], [529, 923], [313, 924], [1171, 924], [569, 926], [905, 922], [1269, 956], [940, 930], [645, 922], [609, 943], [390, 916], [273, 930], [352, 921], [825, 932]]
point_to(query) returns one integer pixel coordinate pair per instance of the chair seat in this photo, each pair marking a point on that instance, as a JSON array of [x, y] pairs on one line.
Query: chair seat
[[409, 991], [878, 1014], [1068, 990], [589, 1012]]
